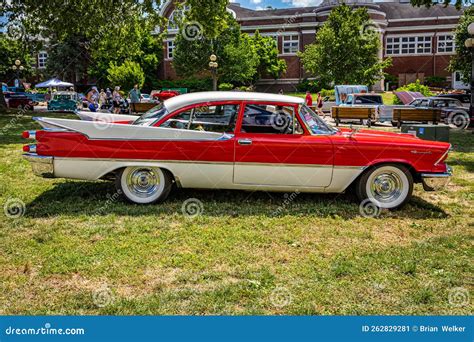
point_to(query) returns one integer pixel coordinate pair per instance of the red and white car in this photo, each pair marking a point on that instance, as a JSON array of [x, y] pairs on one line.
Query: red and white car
[[237, 140]]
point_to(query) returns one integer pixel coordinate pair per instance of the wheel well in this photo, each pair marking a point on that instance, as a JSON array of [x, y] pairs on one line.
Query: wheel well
[[112, 175], [416, 176]]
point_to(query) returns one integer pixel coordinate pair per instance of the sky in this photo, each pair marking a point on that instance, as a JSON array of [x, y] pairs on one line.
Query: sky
[[262, 4]]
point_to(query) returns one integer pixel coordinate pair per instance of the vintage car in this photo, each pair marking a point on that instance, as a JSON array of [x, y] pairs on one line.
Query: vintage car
[[64, 101], [237, 140], [163, 95], [19, 101], [452, 111]]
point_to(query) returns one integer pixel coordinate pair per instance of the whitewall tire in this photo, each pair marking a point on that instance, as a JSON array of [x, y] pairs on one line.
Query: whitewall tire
[[144, 184], [388, 186]]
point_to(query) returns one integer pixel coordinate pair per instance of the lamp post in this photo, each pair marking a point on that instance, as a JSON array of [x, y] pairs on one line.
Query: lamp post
[[469, 43], [213, 66], [17, 68]]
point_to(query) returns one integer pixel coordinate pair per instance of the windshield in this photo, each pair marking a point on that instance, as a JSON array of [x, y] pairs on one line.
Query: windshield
[[314, 123], [152, 115]]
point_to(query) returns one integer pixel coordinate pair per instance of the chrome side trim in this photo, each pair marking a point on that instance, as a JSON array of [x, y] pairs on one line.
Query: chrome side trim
[[444, 155], [212, 162], [42, 166]]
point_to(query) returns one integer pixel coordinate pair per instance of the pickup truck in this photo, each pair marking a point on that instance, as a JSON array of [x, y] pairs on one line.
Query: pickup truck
[[383, 113]]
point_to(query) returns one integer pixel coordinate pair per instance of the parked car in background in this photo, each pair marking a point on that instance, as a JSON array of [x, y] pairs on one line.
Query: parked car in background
[[383, 113], [221, 140], [453, 113], [19, 101], [64, 101], [163, 95], [465, 99], [145, 98]]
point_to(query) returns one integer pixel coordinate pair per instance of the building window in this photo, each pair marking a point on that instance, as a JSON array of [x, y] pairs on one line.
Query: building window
[[411, 45], [42, 58], [291, 44], [170, 49], [446, 43]]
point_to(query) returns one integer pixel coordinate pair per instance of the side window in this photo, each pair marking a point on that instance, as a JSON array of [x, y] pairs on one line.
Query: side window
[[206, 118], [272, 119], [424, 103]]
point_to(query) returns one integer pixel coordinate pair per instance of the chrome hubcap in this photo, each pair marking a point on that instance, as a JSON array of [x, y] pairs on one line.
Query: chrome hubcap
[[143, 182], [386, 187]]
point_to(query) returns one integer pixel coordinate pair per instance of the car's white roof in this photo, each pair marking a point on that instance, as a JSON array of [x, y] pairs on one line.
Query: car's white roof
[[180, 101]]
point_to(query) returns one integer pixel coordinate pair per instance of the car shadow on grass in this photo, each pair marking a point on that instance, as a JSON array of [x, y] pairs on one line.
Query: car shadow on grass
[[100, 198]]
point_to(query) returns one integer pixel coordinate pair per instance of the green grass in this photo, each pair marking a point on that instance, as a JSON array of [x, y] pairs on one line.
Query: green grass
[[77, 250]]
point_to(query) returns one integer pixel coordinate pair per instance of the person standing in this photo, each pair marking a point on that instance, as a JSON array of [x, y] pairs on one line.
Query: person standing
[[309, 99], [93, 99], [319, 105], [116, 98], [135, 94], [102, 99]]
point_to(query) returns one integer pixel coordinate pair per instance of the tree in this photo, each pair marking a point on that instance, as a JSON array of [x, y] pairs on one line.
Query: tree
[[267, 52], [236, 55], [68, 59], [107, 30], [10, 51], [346, 49], [462, 60], [429, 3], [126, 75], [210, 15]]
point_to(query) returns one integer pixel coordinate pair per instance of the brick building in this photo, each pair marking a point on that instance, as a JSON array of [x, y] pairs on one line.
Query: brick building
[[419, 40]]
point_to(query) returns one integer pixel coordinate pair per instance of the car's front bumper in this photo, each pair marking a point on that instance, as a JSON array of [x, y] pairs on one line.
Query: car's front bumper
[[436, 181], [42, 166]]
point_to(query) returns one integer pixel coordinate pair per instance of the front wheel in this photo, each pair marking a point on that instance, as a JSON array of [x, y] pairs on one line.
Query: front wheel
[[144, 184], [388, 186]]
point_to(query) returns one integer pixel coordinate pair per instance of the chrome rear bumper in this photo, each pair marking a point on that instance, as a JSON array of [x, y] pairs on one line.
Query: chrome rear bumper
[[42, 166], [436, 181]]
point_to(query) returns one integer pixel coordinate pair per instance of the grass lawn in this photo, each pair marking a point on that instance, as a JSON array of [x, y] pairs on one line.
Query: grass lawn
[[78, 250]]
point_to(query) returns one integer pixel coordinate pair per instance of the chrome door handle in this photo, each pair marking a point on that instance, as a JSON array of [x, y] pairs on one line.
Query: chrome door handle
[[244, 142]]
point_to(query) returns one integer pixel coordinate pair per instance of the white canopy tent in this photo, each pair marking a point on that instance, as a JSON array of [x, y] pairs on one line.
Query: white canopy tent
[[54, 83]]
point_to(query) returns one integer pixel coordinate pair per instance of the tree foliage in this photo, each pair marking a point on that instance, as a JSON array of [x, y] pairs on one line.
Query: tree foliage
[[211, 15], [106, 31], [126, 75], [267, 52], [11, 50], [462, 60], [236, 55], [346, 49], [429, 3]]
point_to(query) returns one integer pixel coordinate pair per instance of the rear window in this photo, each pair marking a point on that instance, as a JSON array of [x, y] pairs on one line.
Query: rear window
[[368, 99]]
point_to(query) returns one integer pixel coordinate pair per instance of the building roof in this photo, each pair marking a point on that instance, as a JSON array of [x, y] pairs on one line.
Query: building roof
[[181, 101], [393, 10], [407, 11]]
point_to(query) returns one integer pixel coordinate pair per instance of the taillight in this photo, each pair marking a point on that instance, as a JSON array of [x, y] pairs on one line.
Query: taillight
[[29, 135], [29, 148]]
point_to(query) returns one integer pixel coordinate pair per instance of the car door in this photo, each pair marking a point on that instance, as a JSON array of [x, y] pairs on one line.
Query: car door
[[201, 145], [270, 153]]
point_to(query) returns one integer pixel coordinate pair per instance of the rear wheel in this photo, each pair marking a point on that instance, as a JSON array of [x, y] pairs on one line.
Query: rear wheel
[[144, 184], [458, 120], [388, 186]]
